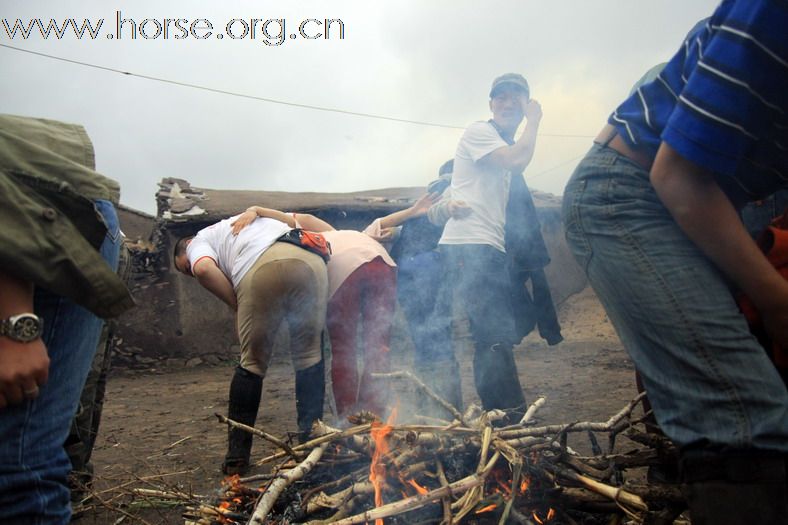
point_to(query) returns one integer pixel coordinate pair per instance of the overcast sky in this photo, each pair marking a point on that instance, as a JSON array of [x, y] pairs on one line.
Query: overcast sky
[[420, 60]]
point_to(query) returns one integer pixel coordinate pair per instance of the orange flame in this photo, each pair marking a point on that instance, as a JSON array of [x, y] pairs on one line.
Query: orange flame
[[377, 471], [488, 508], [232, 481], [419, 488]]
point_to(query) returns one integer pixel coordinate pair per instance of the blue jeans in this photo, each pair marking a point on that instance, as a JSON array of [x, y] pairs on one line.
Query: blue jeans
[[33, 464], [480, 276], [710, 383]]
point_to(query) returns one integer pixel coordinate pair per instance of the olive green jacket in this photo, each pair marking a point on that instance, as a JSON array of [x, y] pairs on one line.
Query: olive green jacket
[[50, 231]]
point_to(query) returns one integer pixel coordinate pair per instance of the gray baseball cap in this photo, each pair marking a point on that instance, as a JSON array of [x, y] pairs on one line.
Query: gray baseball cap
[[514, 79]]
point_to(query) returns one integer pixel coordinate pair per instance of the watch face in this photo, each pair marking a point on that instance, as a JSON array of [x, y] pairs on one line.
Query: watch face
[[26, 328]]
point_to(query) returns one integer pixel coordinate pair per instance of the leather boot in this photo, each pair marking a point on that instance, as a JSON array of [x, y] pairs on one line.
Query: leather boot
[[310, 386], [443, 377], [731, 490], [245, 391]]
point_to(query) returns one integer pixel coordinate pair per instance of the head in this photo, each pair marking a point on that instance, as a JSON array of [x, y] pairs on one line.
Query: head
[[443, 181], [508, 94], [446, 168], [179, 257]]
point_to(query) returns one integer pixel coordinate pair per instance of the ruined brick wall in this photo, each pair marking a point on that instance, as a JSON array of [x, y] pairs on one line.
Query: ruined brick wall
[[178, 323]]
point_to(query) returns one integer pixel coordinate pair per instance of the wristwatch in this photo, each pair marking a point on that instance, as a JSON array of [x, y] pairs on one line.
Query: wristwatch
[[23, 327]]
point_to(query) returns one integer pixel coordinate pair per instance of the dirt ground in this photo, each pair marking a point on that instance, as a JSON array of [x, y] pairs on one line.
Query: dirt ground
[[159, 430]]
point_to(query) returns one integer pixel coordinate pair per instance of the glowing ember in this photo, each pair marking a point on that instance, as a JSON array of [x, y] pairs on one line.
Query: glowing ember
[[377, 471], [419, 488], [524, 484], [550, 515], [488, 508], [504, 483]]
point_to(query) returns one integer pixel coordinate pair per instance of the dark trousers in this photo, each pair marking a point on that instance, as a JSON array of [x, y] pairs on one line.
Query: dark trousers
[[479, 277]]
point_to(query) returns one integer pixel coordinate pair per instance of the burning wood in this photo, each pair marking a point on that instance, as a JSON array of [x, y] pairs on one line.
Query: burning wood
[[465, 470]]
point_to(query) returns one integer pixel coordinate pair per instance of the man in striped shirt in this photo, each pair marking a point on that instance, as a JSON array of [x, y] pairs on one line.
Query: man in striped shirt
[[651, 214]]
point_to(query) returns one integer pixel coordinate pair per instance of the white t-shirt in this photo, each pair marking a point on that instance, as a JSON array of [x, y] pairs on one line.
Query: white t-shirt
[[484, 188], [235, 254]]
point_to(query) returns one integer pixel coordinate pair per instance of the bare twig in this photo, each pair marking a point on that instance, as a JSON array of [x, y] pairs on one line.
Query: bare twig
[[404, 374]]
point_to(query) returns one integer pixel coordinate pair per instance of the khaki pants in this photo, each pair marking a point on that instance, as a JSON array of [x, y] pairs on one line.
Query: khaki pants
[[289, 285]]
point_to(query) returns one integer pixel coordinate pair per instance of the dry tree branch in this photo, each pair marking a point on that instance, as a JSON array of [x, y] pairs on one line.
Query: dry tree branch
[[626, 500], [265, 435], [536, 405], [420, 500], [404, 374], [309, 445], [594, 426], [275, 489]]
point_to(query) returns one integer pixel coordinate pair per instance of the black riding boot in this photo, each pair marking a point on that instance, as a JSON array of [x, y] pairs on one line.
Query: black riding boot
[[310, 386], [245, 392], [731, 490], [497, 382]]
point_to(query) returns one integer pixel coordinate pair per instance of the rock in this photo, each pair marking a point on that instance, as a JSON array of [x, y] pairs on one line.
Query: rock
[[194, 361]]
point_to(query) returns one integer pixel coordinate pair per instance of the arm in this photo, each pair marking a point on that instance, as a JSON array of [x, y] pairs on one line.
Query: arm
[[23, 366], [447, 208], [418, 209], [706, 215], [253, 212], [212, 279], [309, 222], [517, 156]]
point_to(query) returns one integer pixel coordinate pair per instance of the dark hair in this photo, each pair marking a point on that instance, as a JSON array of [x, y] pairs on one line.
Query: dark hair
[[180, 247], [446, 167]]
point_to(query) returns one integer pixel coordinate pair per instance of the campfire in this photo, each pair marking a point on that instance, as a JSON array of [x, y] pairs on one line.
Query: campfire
[[468, 469]]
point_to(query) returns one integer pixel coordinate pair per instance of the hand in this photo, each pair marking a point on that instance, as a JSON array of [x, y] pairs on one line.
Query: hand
[[533, 111], [386, 234], [243, 220], [23, 367], [459, 209], [421, 206]]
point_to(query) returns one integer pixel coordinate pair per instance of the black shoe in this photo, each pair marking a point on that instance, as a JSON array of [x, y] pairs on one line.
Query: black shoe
[[735, 489]]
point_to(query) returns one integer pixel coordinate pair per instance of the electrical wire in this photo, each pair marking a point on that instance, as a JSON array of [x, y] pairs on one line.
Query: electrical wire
[[259, 98]]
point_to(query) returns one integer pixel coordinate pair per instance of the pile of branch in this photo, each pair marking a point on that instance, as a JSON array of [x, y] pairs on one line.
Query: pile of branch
[[469, 469]]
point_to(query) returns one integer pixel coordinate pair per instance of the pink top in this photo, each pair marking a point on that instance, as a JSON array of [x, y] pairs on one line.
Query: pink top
[[349, 250]]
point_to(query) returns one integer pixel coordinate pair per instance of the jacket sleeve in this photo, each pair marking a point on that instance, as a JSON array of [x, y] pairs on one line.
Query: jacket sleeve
[[42, 244]]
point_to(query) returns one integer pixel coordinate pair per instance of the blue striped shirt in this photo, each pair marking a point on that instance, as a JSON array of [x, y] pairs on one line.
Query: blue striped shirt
[[722, 100]]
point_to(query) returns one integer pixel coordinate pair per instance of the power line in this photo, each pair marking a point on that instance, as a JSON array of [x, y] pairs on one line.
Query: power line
[[258, 98]]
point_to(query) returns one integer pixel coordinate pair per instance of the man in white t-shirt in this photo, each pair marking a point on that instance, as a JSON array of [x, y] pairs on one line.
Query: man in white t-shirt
[[473, 242], [267, 282]]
